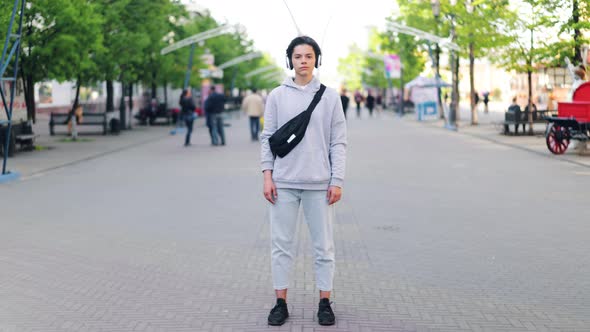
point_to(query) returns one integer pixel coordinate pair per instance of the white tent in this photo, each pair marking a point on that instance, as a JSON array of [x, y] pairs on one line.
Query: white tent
[[423, 89]]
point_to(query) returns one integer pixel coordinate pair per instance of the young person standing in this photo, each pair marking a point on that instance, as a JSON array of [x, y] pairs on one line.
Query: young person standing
[[311, 176]]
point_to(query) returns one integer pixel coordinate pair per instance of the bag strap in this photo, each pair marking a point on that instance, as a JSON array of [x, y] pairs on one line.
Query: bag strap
[[316, 99]]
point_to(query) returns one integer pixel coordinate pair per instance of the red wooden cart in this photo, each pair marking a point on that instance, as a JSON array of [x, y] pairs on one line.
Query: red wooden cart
[[571, 123]]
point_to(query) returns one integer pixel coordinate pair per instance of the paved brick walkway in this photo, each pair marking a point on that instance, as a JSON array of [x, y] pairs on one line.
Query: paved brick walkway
[[437, 231]]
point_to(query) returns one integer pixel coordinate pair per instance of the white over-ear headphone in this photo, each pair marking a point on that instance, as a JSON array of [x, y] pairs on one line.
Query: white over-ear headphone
[[317, 64]]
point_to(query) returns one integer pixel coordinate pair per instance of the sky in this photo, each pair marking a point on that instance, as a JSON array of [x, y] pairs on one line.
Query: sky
[[334, 24]]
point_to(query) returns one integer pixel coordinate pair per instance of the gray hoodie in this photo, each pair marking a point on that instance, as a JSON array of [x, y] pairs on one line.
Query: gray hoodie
[[318, 160]]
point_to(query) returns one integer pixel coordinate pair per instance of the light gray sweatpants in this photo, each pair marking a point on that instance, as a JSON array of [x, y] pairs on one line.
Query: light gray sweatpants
[[283, 224]]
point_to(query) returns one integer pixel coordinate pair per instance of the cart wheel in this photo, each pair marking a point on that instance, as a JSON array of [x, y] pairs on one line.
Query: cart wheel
[[557, 138]]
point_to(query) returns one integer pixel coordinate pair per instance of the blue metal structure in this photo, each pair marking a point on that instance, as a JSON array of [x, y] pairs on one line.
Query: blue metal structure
[[13, 41]]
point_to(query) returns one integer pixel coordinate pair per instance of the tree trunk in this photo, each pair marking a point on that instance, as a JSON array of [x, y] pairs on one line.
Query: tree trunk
[[154, 87], [455, 95], [72, 115], [77, 98], [166, 93], [437, 75], [110, 96], [130, 95], [530, 102], [29, 87], [577, 32], [474, 120], [441, 109], [530, 81], [122, 117]]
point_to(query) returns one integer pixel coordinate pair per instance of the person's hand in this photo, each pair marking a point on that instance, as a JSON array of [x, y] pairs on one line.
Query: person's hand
[[269, 190], [334, 194]]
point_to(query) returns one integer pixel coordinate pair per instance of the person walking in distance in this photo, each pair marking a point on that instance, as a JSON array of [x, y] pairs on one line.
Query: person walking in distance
[[370, 102], [214, 106], [187, 113], [344, 100], [486, 101], [311, 176], [358, 98], [253, 105]]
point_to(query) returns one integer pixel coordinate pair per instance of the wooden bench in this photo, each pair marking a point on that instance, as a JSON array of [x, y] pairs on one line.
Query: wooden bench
[[88, 119], [26, 141], [517, 118], [18, 137]]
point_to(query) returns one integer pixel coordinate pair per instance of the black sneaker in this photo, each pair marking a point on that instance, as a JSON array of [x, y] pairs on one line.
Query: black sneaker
[[325, 313], [279, 314]]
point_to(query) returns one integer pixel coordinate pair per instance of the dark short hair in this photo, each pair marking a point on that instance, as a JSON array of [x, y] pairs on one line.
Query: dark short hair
[[254, 90], [304, 40]]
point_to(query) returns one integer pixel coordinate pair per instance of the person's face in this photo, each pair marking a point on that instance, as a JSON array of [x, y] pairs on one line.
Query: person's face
[[303, 60]]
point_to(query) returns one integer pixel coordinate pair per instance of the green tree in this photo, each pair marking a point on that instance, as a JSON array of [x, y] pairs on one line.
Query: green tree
[[224, 48], [351, 67], [578, 22], [524, 54], [80, 65], [60, 40], [124, 41], [374, 73], [475, 22], [411, 52], [227, 47], [175, 63], [5, 20], [478, 34], [570, 36], [152, 19]]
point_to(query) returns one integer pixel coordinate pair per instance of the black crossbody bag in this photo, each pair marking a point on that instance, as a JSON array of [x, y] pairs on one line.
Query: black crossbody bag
[[292, 132]]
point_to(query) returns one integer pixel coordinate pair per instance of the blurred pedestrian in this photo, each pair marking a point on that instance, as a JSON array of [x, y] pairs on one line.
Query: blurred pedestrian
[[253, 105], [310, 176], [515, 108], [214, 107], [534, 107], [486, 100], [78, 116], [358, 98], [370, 102], [379, 103], [187, 113], [344, 100]]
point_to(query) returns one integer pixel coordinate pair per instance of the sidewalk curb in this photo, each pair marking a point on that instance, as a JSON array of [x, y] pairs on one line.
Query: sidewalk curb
[[89, 158], [437, 125]]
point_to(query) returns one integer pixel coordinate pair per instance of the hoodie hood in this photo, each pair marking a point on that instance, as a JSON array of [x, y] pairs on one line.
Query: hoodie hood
[[312, 86]]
